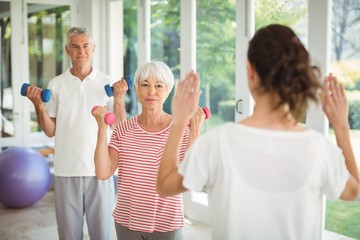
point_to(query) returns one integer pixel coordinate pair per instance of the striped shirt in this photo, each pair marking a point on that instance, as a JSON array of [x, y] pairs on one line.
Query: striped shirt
[[138, 206]]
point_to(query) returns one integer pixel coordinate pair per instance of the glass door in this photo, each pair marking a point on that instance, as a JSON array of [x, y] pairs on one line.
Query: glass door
[[47, 26], [9, 110], [215, 61], [33, 35], [221, 57], [165, 38], [6, 103], [164, 22], [341, 216], [130, 44]]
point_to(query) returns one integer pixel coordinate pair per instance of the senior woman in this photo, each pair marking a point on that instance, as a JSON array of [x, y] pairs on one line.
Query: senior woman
[[135, 148]]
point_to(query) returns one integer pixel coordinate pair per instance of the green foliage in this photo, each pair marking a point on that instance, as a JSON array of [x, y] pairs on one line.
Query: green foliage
[[224, 92], [130, 37], [357, 84], [165, 33], [354, 114], [280, 11], [227, 110], [347, 71], [216, 40], [343, 217], [216, 29]]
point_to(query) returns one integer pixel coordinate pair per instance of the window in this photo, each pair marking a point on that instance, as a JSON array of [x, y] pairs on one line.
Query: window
[[341, 216], [130, 49], [6, 91], [165, 37], [215, 57], [47, 28]]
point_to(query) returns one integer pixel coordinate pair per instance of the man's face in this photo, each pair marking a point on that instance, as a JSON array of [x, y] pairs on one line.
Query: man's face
[[80, 49]]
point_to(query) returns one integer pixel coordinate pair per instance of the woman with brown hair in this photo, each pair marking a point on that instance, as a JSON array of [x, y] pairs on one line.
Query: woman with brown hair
[[266, 175]]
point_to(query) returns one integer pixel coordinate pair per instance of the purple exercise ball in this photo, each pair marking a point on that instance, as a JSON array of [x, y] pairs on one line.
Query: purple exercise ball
[[24, 177]]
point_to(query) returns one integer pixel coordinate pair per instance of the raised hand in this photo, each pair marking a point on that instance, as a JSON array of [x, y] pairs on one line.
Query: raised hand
[[103, 116], [186, 99], [34, 94], [334, 102], [120, 87]]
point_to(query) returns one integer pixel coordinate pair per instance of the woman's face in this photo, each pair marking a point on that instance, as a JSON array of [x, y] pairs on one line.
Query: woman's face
[[152, 93]]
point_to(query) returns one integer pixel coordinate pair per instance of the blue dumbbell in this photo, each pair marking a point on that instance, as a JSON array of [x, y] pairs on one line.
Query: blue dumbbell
[[45, 94], [110, 90]]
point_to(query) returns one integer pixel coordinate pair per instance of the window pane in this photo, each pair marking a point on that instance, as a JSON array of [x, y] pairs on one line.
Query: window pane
[[130, 49], [165, 37], [341, 216], [6, 91], [290, 13], [215, 59], [47, 26]]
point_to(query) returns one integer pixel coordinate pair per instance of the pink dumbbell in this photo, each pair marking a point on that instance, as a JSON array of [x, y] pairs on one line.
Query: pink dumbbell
[[207, 112], [109, 117]]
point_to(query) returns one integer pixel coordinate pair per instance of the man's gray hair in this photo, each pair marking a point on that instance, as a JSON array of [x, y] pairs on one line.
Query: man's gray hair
[[78, 30]]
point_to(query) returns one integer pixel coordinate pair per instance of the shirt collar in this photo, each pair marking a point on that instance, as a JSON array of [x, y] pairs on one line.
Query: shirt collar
[[91, 76]]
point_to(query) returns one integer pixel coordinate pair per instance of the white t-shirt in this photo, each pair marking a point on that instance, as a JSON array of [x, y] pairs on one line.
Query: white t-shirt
[[264, 184], [71, 103]]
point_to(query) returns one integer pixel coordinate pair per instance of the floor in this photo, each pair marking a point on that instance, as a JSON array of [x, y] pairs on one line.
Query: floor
[[38, 222]]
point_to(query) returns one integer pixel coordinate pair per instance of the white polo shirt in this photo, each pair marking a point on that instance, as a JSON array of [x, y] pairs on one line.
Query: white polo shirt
[[76, 129]]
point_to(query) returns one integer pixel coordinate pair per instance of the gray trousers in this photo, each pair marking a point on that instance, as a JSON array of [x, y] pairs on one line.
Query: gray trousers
[[124, 233], [76, 197]]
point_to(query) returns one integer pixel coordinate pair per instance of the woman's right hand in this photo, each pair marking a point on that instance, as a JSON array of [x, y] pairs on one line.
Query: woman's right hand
[[186, 98], [99, 113], [334, 103]]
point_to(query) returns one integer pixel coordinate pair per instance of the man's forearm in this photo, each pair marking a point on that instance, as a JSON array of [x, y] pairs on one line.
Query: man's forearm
[[46, 123]]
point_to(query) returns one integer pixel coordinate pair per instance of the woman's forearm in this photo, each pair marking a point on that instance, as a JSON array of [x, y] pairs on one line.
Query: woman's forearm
[[102, 159], [119, 110], [169, 181], [343, 141]]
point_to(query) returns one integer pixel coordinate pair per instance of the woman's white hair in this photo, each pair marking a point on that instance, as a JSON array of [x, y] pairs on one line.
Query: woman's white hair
[[156, 69]]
